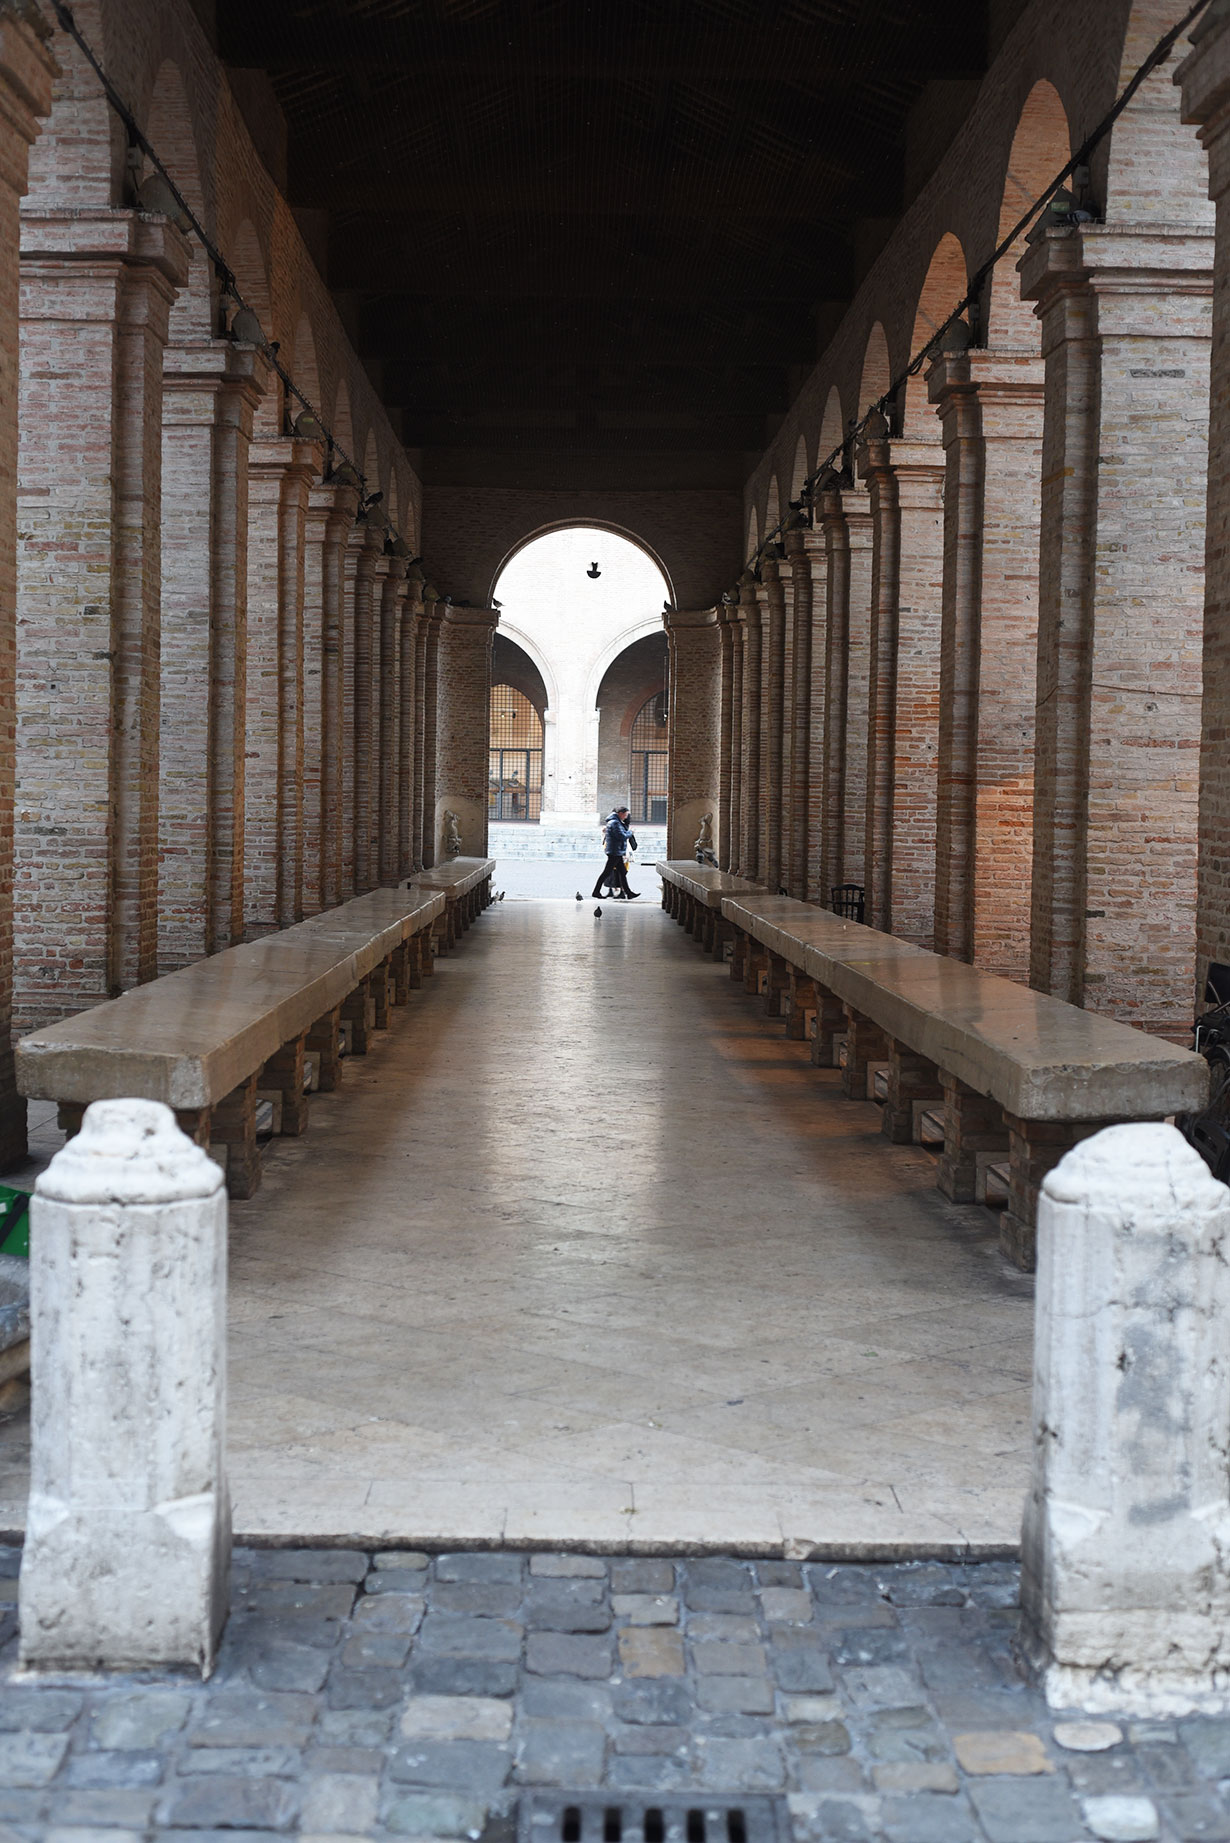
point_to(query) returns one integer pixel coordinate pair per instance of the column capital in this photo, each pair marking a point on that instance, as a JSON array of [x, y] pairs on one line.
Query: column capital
[[365, 543], [329, 499], [460, 614], [27, 71], [218, 366], [99, 237], [1204, 80], [285, 457], [1126, 267], [676, 618]]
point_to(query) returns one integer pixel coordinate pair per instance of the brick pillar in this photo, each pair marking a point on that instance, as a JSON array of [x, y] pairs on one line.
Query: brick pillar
[[429, 727], [392, 597], [750, 818], [801, 546], [364, 548], [728, 730], [857, 509], [837, 625], [26, 72], [775, 688], [990, 410], [1126, 320], [211, 389], [732, 844], [281, 471], [905, 488], [462, 747], [694, 642], [408, 748], [96, 292], [817, 551], [330, 519], [1205, 77]]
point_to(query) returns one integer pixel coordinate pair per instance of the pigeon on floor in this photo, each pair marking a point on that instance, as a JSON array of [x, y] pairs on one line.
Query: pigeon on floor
[[597, 911], [580, 898], [500, 897]]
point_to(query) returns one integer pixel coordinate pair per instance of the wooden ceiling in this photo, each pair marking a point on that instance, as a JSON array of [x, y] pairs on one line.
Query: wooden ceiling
[[598, 242]]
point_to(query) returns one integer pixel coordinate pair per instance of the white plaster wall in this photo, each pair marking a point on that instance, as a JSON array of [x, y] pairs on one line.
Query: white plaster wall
[[573, 626]]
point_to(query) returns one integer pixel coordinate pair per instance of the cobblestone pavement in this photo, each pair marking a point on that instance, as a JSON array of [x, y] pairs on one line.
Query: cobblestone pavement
[[402, 1695]]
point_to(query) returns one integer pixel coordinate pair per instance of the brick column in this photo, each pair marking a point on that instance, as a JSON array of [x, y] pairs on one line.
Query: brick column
[[433, 616], [775, 686], [732, 844], [858, 688], [392, 597], [749, 778], [463, 751], [211, 389], [905, 487], [990, 410], [728, 730], [837, 623], [1205, 77], [408, 748], [330, 520], [96, 292], [801, 548], [281, 471], [26, 72], [1126, 321], [695, 724], [363, 547]]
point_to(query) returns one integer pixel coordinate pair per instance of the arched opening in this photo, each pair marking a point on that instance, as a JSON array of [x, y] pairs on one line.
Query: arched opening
[[636, 677], [1156, 168], [877, 371], [515, 735], [1040, 147], [576, 597], [943, 287], [170, 129]]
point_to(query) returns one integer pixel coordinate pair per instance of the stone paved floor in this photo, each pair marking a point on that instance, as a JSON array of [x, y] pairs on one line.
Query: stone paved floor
[[585, 1252], [423, 1696]]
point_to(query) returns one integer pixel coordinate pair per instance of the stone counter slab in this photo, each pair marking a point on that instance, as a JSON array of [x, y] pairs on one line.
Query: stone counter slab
[[705, 884]]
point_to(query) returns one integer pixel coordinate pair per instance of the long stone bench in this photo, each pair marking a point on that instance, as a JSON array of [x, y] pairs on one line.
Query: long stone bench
[[465, 884], [692, 894], [211, 1038], [1017, 1075]]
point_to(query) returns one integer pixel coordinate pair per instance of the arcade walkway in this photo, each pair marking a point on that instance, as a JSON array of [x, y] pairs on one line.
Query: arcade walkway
[[586, 1252]]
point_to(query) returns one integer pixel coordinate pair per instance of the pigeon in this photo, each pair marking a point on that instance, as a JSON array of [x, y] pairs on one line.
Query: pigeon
[[501, 896], [597, 911], [580, 898]]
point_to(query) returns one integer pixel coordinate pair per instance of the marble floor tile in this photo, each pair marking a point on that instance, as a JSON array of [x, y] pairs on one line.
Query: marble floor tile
[[585, 1252]]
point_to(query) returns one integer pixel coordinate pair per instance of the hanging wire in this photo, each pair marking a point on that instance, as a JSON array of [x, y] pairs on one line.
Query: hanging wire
[[973, 294], [223, 270]]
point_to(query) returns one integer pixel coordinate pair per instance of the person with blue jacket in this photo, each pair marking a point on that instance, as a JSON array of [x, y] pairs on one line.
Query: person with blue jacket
[[616, 837]]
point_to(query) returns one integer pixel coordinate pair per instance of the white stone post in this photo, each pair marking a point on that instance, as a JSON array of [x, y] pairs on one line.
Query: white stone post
[[1126, 1543], [128, 1536]]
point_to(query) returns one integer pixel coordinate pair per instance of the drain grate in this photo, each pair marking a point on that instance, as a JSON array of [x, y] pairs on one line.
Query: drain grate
[[591, 1817]]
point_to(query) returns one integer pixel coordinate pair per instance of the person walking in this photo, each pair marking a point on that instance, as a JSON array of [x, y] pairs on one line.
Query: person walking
[[616, 838]]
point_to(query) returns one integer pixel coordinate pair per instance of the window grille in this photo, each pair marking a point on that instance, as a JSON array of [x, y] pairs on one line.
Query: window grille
[[649, 761], [514, 775]]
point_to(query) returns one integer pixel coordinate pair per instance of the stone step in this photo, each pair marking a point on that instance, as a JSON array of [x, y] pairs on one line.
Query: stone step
[[548, 841]]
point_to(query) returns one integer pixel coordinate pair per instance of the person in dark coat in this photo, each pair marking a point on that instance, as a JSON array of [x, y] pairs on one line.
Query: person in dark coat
[[616, 838]]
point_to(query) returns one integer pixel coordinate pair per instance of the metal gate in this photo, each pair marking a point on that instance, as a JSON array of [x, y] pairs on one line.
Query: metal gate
[[649, 763]]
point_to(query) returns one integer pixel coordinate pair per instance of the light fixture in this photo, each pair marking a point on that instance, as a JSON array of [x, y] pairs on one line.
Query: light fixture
[[593, 572]]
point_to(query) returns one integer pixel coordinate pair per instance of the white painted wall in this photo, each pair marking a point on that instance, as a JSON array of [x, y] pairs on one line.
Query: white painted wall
[[572, 627]]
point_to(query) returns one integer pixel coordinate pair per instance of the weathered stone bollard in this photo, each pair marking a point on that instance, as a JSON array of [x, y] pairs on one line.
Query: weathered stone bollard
[[127, 1554], [1126, 1543]]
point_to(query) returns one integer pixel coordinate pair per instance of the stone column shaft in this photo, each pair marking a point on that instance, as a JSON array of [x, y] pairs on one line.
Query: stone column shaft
[[732, 850], [836, 679], [800, 546], [728, 730], [1126, 322], [408, 747], [363, 550], [431, 727], [751, 817], [775, 687]]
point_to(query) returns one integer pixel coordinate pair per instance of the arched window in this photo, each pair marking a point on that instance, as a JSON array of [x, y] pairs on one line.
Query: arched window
[[649, 757], [514, 785]]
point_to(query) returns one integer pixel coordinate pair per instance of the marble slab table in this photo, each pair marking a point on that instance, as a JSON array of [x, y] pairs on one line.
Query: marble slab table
[[207, 1040], [692, 894], [465, 884], [1018, 1075]]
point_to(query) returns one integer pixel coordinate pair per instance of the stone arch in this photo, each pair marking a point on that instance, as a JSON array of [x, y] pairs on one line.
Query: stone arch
[[508, 630], [513, 664], [371, 464], [877, 369], [341, 423], [1041, 147], [753, 532], [943, 286], [1155, 169], [772, 510], [832, 426], [583, 524], [78, 157], [638, 630], [303, 368], [801, 468], [246, 256], [171, 129]]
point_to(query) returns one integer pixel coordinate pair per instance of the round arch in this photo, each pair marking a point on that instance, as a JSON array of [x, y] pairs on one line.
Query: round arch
[[801, 468], [1041, 145], [172, 130], [582, 524], [943, 286], [536, 657], [877, 372], [1150, 136]]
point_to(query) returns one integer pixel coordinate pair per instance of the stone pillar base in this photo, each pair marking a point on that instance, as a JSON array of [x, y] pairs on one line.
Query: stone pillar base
[[913, 1083], [974, 1137]]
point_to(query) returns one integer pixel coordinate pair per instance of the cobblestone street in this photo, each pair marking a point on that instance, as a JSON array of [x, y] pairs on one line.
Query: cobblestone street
[[402, 1695]]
